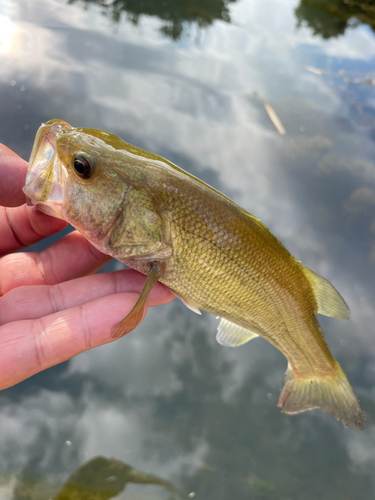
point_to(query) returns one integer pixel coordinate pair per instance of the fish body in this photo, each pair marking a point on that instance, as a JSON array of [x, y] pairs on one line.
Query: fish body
[[148, 213]]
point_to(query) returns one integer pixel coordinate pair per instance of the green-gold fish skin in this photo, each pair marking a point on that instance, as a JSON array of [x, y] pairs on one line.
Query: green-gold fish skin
[[148, 213]]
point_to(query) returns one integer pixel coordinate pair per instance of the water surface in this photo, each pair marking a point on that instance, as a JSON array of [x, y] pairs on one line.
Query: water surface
[[191, 81]]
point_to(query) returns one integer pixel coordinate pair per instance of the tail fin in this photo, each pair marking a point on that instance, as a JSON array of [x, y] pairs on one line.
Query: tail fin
[[332, 394]]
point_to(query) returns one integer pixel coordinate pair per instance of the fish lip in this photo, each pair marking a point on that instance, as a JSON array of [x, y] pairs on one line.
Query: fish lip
[[46, 175], [42, 154]]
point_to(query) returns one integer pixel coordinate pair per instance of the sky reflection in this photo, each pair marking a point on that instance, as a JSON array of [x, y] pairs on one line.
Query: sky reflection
[[167, 398]]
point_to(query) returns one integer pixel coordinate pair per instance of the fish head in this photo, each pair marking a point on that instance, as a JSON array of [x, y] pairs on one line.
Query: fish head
[[81, 176]]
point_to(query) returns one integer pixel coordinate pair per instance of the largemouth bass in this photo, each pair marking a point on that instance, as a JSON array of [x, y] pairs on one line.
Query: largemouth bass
[[148, 213]]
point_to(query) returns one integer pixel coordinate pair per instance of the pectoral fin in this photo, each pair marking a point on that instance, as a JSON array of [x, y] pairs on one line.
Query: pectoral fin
[[231, 335], [133, 319]]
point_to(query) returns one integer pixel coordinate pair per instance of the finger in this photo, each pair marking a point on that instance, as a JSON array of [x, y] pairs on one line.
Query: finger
[[22, 226], [30, 346], [37, 301], [68, 258], [12, 174]]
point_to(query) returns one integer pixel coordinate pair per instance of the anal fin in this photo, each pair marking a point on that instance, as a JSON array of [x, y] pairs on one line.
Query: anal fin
[[231, 335]]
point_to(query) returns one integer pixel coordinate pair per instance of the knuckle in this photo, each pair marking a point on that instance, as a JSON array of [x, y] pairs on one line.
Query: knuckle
[[38, 331], [85, 328]]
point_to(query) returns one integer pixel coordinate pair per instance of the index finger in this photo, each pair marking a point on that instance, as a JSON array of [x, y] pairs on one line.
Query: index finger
[[12, 178]]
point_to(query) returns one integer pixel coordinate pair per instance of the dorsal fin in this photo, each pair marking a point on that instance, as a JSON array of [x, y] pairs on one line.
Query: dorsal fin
[[231, 335], [263, 227], [330, 302]]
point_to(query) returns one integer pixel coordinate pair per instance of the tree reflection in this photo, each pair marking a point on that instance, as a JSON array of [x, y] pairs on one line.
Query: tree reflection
[[99, 479], [331, 18], [174, 13]]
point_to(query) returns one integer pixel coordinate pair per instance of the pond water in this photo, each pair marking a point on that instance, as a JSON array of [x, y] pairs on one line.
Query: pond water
[[273, 103]]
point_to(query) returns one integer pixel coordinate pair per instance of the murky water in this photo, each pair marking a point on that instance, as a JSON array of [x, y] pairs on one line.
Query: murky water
[[192, 81]]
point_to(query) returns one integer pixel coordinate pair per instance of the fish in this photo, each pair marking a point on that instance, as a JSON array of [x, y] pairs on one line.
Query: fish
[[212, 254]]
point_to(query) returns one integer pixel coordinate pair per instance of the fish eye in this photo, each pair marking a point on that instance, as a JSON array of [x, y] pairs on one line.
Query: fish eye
[[83, 166]]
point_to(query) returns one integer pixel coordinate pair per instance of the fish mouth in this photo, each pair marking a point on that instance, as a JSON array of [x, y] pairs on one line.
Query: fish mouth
[[46, 174]]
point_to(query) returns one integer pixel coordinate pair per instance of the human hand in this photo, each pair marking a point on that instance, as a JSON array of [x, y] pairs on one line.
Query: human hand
[[52, 306]]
